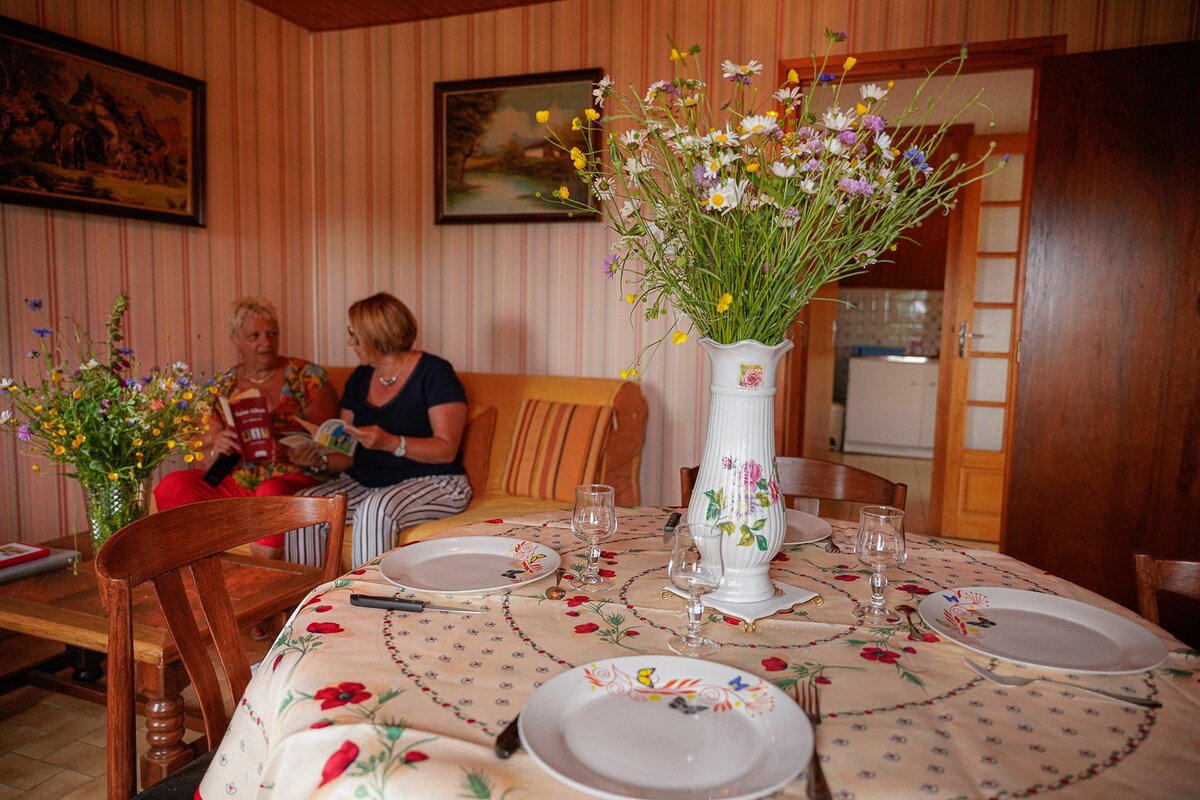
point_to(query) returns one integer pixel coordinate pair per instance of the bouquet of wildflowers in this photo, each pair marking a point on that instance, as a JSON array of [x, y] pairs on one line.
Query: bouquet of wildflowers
[[92, 411], [734, 217]]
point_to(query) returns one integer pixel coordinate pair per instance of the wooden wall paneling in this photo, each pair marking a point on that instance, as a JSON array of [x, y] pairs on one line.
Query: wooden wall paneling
[[1106, 457]]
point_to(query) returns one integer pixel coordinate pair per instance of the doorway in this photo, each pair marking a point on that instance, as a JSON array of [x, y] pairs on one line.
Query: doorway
[[1007, 71]]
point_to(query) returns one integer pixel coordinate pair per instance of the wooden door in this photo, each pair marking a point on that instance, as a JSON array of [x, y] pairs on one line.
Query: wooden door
[[979, 353], [1106, 450]]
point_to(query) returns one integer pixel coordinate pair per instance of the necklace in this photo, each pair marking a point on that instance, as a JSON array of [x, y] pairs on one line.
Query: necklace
[[392, 380], [259, 381]]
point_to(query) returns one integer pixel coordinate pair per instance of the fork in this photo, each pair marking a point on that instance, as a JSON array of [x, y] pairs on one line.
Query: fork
[[1017, 680], [810, 701]]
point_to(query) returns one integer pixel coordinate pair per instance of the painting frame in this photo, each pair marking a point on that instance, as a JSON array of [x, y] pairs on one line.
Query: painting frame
[[509, 172], [128, 140]]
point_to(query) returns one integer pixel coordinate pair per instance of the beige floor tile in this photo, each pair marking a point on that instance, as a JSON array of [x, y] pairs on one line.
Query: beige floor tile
[[14, 734], [44, 744], [20, 699], [77, 705], [24, 772], [79, 757], [45, 718], [95, 789], [8, 792], [57, 786]]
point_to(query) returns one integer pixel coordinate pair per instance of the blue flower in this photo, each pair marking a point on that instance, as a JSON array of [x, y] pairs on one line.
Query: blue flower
[[915, 157], [34, 304], [827, 77], [125, 351], [43, 332], [609, 261]]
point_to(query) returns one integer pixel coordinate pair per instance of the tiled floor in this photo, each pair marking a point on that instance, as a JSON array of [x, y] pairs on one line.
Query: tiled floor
[[53, 746]]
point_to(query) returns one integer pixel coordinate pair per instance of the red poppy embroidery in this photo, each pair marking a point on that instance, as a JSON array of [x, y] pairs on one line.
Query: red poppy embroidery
[[846, 577], [880, 655], [577, 600], [571, 613], [774, 664], [731, 620], [338, 762], [606, 573], [311, 600], [324, 627], [413, 756], [911, 588], [781, 557], [324, 723], [587, 627], [632, 633], [345, 692], [275, 663], [323, 609], [822, 680]]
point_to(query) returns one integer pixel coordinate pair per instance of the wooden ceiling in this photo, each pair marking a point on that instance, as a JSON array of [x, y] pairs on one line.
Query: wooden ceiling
[[332, 15]]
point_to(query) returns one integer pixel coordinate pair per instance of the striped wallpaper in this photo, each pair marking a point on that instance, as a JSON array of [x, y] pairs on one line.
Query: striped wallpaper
[[320, 187]]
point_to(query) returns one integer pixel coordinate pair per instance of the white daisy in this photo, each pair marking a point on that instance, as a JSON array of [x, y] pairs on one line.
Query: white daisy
[[871, 91], [732, 70], [757, 124], [782, 170], [601, 90], [836, 120], [788, 96], [725, 196]]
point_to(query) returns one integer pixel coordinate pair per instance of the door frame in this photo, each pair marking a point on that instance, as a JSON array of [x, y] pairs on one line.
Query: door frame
[[806, 420]]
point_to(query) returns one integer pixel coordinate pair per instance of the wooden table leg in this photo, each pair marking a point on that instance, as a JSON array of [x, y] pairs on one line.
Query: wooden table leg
[[162, 686]]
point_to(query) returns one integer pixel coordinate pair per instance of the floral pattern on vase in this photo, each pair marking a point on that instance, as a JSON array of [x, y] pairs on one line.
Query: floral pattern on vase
[[745, 512]]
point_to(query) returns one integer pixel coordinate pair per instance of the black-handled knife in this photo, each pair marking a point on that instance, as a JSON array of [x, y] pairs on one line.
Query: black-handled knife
[[669, 528], [413, 606], [509, 740]]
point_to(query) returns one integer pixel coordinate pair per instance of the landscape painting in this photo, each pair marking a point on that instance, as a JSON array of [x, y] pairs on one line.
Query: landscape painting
[[491, 155], [87, 129]]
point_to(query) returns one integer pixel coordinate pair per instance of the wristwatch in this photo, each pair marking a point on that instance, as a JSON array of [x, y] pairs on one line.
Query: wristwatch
[[402, 449]]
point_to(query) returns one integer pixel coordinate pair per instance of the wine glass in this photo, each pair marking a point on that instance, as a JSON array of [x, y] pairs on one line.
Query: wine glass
[[879, 545], [593, 521], [696, 567]]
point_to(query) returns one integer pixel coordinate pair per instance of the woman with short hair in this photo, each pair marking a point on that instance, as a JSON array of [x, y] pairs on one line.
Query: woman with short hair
[[407, 410]]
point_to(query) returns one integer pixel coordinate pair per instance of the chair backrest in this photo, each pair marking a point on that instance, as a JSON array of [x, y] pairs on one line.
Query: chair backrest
[[156, 549], [807, 481], [1156, 575]]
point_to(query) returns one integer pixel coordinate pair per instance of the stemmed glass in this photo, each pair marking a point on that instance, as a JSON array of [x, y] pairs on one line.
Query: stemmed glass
[[879, 545], [593, 521], [697, 567]]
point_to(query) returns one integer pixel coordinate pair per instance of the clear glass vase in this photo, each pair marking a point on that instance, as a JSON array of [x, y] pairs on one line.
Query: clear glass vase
[[111, 505]]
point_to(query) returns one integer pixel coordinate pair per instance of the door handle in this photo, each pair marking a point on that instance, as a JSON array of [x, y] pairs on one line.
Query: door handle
[[963, 335]]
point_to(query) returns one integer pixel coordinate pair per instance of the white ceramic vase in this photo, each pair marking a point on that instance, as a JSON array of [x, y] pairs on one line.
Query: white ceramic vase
[[737, 488]]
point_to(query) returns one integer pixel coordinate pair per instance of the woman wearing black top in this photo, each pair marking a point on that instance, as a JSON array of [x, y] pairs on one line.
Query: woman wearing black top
[[407, 410]]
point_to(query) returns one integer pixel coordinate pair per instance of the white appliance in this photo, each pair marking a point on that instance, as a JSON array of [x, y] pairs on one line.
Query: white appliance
[[891, 406]]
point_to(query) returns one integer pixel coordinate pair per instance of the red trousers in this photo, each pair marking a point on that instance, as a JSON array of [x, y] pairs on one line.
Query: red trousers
[[188, 486]]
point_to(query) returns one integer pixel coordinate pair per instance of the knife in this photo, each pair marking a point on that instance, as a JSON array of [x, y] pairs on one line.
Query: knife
[[414, 606], [509, 740], [669, 528]]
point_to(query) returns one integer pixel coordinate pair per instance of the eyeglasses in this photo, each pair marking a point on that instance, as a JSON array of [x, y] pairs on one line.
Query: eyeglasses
[[353, 336]]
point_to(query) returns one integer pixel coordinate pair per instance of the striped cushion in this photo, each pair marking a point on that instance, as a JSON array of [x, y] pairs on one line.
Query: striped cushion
[[556, 447]]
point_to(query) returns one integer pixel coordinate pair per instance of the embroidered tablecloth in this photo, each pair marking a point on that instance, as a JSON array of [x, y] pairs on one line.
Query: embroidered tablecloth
[[360, 703]]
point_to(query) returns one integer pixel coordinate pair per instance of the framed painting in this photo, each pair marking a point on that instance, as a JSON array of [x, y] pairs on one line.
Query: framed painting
[[491, 156], [87, 129]]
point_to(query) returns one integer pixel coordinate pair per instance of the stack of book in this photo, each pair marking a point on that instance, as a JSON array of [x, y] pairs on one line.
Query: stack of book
[[19, 560]]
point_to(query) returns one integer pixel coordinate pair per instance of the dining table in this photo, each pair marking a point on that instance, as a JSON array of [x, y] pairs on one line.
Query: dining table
[[359, 702]]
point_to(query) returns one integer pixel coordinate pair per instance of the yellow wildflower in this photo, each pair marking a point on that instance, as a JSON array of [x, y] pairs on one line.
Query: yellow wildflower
[[576, 124], [59, 450], [752, 167], [61, 431], [137, 442], [688, 102], [112, 476], [170, 444], [562, 192], [849, 63], [77, 394], [677, 56], [188, 395], [156, 431], [631, 299], [679, 338], [624, 373], [793, 76], [773, 114], [56, 377], [591, 114], [724, 303], [542, 116], [198, 444], [860, 108], [189, 458]]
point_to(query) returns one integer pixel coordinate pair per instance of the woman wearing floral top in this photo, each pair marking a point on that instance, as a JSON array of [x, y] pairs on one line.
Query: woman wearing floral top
[[292, 387]]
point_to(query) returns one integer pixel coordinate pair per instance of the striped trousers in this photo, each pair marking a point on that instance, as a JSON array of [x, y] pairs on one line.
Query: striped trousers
[[378, 514]]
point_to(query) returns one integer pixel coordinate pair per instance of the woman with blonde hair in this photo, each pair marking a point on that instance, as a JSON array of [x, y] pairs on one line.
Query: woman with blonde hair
[[292, 387], [407, 410]]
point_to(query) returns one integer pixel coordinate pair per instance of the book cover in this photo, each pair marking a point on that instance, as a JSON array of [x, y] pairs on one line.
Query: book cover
[[15, 553], [330, 436], [246, 414], [53, 559]]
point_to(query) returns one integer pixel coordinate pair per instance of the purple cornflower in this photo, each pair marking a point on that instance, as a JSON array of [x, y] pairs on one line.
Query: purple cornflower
[[767, 266], [35, 304], [873, 122], [827, 77], [106, 402], [915, 157], [848, 138], [699, 177], [32, 354], [609, 262], [43, 332], [125, 351], [24, 432]]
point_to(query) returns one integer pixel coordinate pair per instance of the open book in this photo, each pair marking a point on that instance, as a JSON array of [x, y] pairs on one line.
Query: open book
[[330, 436], [246, 414]]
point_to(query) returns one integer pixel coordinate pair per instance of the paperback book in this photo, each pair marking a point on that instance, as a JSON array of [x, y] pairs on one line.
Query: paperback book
[[330, 436]]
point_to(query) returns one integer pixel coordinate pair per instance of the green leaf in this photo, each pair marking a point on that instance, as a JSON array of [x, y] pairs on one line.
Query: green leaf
[[758, 524], [747, 539], [762, 543], [727, 526]]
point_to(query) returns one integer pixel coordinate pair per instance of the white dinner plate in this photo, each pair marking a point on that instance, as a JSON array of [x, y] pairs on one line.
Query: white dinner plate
[[805, 528], [1042, 630], [665, 728], [468, 564]]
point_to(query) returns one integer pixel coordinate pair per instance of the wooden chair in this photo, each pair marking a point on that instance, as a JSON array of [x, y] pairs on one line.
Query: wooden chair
[[157, 549], [807, 481], [1156, 575]]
